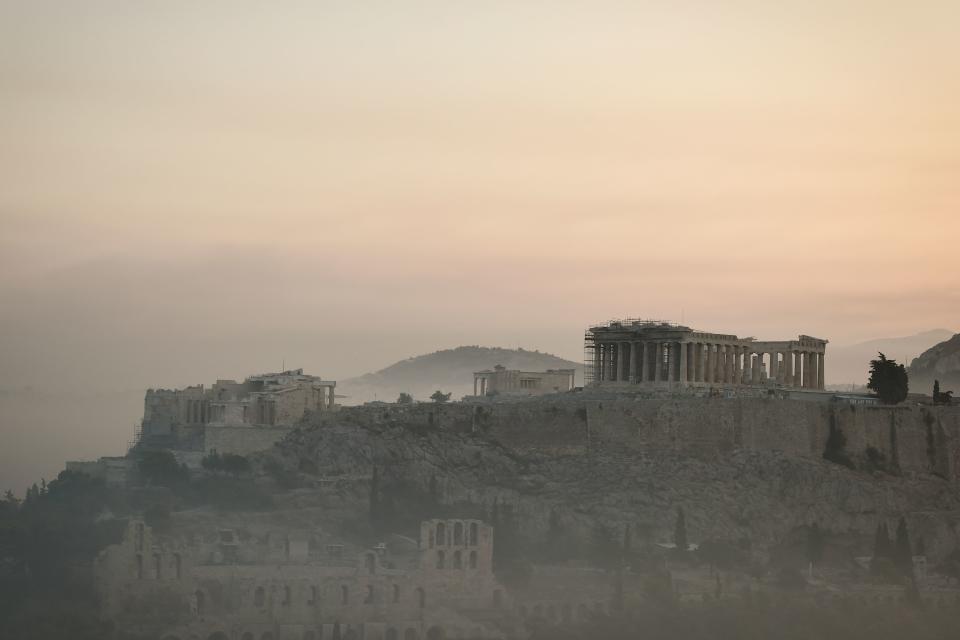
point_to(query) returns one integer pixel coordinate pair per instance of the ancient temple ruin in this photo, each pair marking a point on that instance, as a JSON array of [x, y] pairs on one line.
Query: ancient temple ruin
[[644, 352]]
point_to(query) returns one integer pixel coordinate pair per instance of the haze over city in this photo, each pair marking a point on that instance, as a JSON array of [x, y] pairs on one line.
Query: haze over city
[[192, 192]]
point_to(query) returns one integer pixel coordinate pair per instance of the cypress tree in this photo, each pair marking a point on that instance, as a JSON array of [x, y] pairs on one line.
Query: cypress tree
[[903, 552]]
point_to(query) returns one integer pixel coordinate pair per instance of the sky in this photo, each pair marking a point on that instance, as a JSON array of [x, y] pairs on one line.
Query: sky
[[192, 191]]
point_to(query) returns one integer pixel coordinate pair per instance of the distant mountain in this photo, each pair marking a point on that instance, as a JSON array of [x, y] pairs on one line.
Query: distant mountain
[[450, 370], [850, 364], [939, 362]]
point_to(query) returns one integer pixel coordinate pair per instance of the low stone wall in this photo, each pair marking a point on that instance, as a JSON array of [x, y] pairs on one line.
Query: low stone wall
[[242, 440]]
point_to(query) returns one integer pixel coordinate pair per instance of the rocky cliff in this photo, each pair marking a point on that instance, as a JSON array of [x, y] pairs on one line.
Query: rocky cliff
[[758, 494], [939, 362]]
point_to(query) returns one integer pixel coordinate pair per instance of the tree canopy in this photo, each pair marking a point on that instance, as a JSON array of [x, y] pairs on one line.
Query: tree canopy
[[888, 380]]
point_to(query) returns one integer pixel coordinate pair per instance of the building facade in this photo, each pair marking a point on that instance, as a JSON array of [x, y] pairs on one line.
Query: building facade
[[270, 399], [629, 352], [501, 380]]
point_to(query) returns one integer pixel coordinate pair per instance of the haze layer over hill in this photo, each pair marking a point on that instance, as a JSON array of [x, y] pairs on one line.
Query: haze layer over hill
[[939, 362], [850, 364], [450, 370]]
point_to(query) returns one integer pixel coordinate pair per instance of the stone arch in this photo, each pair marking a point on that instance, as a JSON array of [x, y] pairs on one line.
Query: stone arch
[[259, 597], [441, 534], [410, 634], [457, 559], [435, 633], [474, 534], [391, 634], [458, 533], [441, 559], [473, 559]]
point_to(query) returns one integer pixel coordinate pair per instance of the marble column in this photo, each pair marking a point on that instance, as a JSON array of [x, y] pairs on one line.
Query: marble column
[[814, 370], [608, 362], [788, 368], [820, 371], [597, 362], [632, 371], [738, 365], [657, 361], [806, 370], [747, 366], [684, 354], [774, 371], [797, 368]]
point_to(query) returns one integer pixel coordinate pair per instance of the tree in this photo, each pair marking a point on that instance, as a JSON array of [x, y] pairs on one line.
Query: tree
[[836, 447], [815, 545], [941, 398], [902, 551], [405, 398], [888, 380], [680, 531], [440, 397]]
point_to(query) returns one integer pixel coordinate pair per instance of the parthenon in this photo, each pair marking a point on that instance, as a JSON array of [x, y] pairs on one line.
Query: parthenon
[[661, 353]]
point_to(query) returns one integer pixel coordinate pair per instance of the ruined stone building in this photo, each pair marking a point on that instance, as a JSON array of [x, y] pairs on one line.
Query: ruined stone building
[[284, 585], [267, 400], [659, 353], [501, 380]]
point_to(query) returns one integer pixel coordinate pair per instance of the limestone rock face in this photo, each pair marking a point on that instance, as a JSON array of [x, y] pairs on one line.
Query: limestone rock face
[[940, 362]]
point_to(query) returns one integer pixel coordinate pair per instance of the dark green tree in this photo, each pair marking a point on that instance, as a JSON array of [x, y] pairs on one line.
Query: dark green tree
[[680, 531], [404, 398], [836, 448], [902, 551], [440, 397], [815, 544], [888, 380]]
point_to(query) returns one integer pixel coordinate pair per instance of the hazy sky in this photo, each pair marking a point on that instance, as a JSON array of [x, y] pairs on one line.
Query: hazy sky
[[192, 190]]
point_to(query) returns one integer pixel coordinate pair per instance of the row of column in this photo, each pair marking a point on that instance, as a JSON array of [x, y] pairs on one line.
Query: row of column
[[689, 362]]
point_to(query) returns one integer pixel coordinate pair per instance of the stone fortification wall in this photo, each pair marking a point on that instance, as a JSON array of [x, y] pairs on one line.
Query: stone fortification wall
[[903, 439], [242, 440]]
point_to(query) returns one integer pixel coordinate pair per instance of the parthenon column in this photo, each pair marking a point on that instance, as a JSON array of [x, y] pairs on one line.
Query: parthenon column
[[747, 366], [806, 369], [597, 362], [774, 366], [657, 360], [632, 370], [798, 369], [698, 362], [608, 361], [683, 362], [820, 371], [814, 370], [788, 368]]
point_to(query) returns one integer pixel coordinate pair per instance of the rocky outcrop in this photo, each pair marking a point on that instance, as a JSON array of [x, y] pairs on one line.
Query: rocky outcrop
[[940, 362], [762, 496]]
